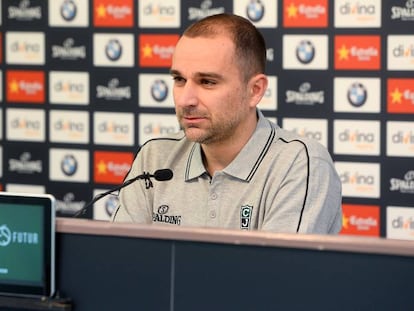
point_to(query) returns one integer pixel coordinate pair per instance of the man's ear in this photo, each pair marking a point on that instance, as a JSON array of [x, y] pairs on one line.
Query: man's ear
[[258, 86]]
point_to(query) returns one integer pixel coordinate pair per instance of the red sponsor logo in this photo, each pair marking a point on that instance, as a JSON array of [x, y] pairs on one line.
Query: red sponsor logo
[[156, 50], [25, 86], [357, 52], [111, 167], [360, 219], [305, 13], [113, 13], [400, 96]]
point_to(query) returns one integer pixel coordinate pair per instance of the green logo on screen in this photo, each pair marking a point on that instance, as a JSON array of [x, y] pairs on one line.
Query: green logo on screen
[[8, 236], [5, 235]]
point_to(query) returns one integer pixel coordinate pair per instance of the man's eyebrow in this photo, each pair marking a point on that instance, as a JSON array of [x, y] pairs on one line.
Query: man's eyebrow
[[209, 75], [174, 72], [214, 75]]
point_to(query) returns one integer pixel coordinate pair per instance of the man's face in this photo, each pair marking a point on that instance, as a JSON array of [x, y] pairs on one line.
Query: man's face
[[211, 100]]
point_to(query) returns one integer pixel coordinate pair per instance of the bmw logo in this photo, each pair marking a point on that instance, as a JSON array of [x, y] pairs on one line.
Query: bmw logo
[[159, 90], [68, 10], [357, 94], [305, 52], [255, 10], [113, 50], [111, 204], [69, 165]]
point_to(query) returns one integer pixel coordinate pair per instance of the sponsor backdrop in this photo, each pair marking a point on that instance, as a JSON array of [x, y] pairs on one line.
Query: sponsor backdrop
[[85, 82]]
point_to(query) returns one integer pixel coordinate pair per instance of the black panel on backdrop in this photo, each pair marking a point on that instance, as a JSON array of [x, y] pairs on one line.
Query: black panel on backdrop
[[114, 90], [398, 181], [25, 163], [25, 14], [194, 10], [306, 96], [70, 198], [68, 49]]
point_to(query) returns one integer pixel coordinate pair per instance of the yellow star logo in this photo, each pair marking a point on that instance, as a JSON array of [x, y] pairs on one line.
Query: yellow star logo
[[147, 51], [14, 86], [101, 11], [343, 52], [345, 222], [292, 11], [101, 167], [396, 96]]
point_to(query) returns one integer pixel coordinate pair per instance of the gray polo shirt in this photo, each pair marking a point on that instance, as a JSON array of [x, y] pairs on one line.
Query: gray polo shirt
[[278, 182]]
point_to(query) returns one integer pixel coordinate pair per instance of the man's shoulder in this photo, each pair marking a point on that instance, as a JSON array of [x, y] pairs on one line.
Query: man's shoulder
[[166, 141], [292, 140]]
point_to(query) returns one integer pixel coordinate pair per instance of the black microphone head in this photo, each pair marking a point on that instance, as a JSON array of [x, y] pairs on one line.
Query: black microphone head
[[163, 174]]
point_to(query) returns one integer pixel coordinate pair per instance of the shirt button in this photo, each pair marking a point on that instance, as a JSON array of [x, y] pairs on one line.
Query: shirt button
[[214, 196], [213, 214]]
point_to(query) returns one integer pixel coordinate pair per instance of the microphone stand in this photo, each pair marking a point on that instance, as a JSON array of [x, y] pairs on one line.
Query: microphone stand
[[148, 184]]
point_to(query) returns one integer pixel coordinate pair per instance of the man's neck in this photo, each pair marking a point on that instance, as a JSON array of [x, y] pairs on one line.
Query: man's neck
[[216, 158], [218, 155]]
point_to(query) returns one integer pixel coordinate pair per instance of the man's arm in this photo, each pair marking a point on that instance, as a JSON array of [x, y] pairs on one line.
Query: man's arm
[[309, 198]]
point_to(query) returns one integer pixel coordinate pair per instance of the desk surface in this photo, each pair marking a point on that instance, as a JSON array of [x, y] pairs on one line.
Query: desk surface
[[120, 266], [222, 236]]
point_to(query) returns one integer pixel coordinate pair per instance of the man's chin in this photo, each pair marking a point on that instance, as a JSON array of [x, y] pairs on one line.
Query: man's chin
[[195, 134]]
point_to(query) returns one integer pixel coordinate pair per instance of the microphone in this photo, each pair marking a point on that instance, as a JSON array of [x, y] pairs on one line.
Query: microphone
[[159, 175], [163, 174]]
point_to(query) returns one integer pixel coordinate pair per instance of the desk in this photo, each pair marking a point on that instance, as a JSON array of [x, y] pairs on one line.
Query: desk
[[114, 266]]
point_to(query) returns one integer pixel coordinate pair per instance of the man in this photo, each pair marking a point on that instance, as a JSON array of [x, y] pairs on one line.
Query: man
[[232, 167]]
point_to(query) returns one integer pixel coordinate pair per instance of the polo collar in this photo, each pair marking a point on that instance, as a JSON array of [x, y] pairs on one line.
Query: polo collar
[[247, 161]]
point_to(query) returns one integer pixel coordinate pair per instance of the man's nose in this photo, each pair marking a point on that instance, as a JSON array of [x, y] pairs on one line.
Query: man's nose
[[186, 95]]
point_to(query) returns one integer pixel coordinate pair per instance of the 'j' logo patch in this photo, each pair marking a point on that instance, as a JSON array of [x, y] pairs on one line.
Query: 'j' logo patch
[[245, 216]]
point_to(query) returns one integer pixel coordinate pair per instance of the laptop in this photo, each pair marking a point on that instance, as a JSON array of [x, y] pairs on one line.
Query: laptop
[[27, 244]]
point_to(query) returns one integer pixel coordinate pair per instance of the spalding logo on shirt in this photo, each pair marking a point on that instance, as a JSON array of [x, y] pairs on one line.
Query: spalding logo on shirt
[[161, 216], [245, 216]]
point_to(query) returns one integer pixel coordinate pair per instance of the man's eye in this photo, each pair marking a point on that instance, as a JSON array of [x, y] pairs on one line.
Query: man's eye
[[208, 82], [178, 79]]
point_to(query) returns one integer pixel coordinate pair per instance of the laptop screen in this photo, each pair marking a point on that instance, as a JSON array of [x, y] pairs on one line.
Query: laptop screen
[[27, 250]]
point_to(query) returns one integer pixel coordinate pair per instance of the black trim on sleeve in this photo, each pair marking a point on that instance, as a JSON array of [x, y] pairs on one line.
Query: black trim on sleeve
[[307, 179]]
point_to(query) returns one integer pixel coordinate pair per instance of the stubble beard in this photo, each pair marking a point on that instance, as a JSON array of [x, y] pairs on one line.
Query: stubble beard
[[215, 132]]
